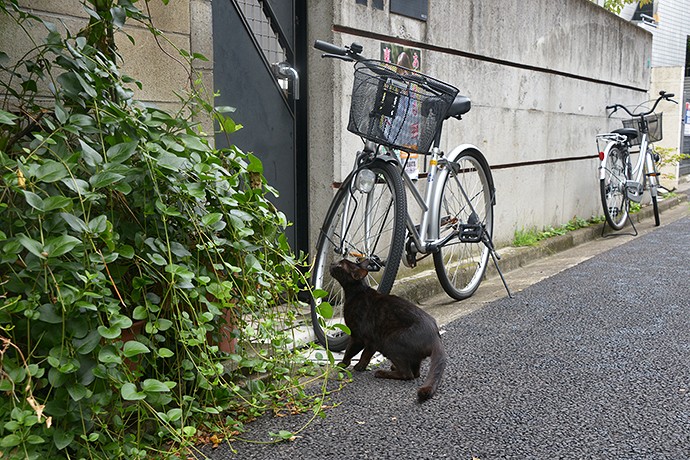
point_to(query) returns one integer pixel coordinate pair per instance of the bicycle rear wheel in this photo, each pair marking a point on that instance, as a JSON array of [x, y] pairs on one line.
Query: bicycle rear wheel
[[612, 187], [359, 225], [466, 212]]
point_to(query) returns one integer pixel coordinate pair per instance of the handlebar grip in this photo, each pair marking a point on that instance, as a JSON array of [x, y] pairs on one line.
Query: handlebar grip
[[609, 107], [668, 95], [330, 48]]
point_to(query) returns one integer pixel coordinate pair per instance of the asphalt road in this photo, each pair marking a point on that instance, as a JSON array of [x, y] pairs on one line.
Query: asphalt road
[[590, 363]]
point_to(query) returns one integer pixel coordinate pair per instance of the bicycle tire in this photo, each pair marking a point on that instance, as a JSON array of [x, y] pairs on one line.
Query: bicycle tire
[[460, 266], [387, 205], [653, 178], [614, 199]]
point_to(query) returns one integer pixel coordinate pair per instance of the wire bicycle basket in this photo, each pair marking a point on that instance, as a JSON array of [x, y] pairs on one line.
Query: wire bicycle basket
[[398, 107], [654, 126]]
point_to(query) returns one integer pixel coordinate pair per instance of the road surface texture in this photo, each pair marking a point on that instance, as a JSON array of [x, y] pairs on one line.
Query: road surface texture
[[590, 363]]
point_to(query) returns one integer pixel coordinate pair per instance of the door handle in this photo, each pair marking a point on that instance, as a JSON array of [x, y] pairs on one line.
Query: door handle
[[285, 70]]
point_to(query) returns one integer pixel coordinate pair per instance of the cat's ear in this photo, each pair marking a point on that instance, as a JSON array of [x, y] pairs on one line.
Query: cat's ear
[[369, 265], [359, 273]]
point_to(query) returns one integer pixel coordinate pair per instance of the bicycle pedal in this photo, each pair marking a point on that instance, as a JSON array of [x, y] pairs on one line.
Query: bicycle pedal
[[470, 233]]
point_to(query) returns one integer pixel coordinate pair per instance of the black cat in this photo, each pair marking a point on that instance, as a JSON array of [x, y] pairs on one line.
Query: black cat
[[401, 331]]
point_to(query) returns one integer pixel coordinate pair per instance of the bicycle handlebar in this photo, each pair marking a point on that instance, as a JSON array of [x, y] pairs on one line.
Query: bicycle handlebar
[[353, 53], [346, 53], [663, 95]]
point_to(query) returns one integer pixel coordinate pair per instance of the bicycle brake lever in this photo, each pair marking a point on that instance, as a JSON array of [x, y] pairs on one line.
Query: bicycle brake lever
[[337, 56]]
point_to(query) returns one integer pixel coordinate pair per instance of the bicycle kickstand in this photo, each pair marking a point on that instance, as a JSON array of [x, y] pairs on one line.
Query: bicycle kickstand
[[495, 257]]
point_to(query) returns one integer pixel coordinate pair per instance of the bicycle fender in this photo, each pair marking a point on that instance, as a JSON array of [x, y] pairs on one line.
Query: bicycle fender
[[463, 148], [602, 166]]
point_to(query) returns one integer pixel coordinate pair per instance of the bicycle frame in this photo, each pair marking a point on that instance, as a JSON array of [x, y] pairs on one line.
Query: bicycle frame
[[635, 184], [425, 235]]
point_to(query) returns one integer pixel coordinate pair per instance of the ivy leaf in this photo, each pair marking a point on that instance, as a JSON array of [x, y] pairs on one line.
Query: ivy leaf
[[157, 259], [252, 263], [77, 391], [325, 310], [228, 125], [33, 200], [121, 152], [343, 328], [193, 143], [7, 118], [62, 438], [126, 251], [59, 245], [33, 246], [172, 162], [129, 393], [109, 333], [56, 202], [119, 16], [51, 171], [165, 353], [98, 225], [86, 86], [90, 156], [211, 219], [255, 164], [319, 293], [49, 314], [134, 348], [108, 355], [154, 386], [87, 344], [284, 435], [104, 178], [11, 440], [79, 186], [74, 222]]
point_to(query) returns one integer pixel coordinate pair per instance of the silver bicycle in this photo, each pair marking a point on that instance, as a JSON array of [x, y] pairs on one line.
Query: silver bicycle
[[396, 109], [620, 180]]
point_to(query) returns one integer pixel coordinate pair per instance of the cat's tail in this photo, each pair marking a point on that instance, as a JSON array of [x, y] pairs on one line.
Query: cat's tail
[[436, 368]]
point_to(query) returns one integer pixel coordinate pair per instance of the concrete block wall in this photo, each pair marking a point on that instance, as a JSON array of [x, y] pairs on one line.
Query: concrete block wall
[[670, 79], [539, 75], [185, 23]]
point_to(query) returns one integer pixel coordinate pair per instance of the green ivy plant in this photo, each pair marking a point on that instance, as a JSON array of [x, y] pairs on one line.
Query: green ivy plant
[[669, 156], [147, 290], [532, 237]]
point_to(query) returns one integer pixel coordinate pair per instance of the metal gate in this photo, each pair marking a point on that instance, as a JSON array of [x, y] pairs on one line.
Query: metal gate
[[258, 50]]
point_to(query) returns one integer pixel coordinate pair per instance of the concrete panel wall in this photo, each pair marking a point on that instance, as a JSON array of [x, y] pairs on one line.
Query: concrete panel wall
[[539, 75], [186, 24]]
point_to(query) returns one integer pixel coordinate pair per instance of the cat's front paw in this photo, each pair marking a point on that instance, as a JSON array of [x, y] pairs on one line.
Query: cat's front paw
[[360, 367]]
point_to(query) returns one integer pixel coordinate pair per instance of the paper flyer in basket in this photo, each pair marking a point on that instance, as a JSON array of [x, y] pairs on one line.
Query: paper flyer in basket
[[411, 164], [403, 56]]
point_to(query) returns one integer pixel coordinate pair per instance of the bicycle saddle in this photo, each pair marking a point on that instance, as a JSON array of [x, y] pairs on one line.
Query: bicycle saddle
[[630, 133], [460, 106]]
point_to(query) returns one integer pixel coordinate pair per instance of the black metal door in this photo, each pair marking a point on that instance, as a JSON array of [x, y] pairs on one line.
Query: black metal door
[[258, 50]]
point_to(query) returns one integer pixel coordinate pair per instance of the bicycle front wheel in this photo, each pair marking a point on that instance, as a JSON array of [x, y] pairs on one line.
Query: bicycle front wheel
[[613, 197], [466, 215], [361, 223]]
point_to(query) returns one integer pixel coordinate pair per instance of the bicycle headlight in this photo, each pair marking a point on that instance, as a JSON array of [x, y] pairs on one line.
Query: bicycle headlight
[[365, 180]]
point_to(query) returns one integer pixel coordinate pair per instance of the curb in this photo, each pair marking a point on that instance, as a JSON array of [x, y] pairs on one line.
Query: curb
[[424, 285]]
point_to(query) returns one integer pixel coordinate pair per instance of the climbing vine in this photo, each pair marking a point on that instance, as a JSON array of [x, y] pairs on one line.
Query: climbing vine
[[147, 290]]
